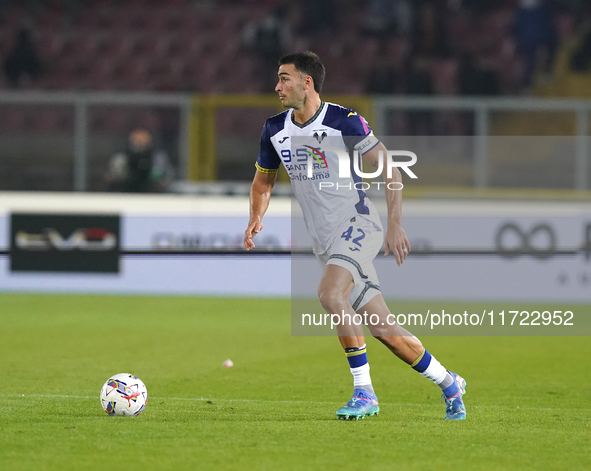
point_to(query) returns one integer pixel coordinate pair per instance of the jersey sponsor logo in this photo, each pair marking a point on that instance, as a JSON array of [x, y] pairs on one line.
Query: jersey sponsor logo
[[305, 160], [352, 113], [284, 139], [302, 177], [317, 154]]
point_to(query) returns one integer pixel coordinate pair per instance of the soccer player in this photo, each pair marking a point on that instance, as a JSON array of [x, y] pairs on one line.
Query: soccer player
[[344, 226]]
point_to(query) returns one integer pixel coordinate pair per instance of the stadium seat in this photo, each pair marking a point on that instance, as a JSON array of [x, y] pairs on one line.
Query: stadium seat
[[116, 120], [365, 51], [122, 47], [191, 21], [12, 119], [86, 19], [46, 120], [51, 20], [84, 44], [136, 71], [149, 119], [397, 50], [208, 35], [155, 23], [12, 17], [126, 18], [101, 72], [51, 45], [444, 73]]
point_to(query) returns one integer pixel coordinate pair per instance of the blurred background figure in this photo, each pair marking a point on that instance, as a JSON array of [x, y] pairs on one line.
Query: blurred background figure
[[476, 77], [429, 32], [22, 63], [382, 18], [384, 77], [321, 17], [269, 39], [581, 56], [420, 82], [140, 168], [535, 32]]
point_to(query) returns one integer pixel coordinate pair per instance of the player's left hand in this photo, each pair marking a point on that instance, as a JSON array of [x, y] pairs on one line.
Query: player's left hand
[[397, 243]]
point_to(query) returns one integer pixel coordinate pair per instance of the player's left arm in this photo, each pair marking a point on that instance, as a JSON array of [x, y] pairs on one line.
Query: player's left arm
[[396, 240]]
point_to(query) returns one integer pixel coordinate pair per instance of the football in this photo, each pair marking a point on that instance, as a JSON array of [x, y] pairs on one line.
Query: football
[[124, 394]]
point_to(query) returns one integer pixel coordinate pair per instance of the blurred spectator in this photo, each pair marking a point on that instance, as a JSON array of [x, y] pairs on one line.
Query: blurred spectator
[[22, 62], [434, 29], [429, 32], [475, 6], [140, 168], [269, 39], [420, 82], [476, 78], [384, 78], [320, 16], [536, 37], [581, 58], [384, 17]]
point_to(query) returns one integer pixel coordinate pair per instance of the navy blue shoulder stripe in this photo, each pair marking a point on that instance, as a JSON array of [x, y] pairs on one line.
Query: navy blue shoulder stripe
[[276, 123], [334, 116]]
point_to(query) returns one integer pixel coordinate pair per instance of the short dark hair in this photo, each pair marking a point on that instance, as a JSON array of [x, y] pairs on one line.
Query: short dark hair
[[309, 64]]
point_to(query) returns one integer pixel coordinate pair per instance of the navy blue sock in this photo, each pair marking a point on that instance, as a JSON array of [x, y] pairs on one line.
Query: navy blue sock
[[359, 366]]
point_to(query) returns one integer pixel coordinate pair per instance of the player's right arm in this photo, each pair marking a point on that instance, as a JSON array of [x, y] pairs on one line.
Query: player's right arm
[[267, 164], [260, 194]]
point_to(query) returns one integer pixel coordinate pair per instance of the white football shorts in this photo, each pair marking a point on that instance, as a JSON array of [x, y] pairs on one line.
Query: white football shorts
[[356, 245]]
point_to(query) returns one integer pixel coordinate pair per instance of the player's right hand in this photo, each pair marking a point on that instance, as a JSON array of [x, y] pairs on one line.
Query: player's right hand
[[253, 229]]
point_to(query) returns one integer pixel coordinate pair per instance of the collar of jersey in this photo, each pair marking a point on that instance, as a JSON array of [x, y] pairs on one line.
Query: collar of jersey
[[320, 108]]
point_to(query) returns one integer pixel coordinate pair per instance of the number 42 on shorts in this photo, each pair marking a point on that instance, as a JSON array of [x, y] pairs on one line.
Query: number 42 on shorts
[[348, 234]]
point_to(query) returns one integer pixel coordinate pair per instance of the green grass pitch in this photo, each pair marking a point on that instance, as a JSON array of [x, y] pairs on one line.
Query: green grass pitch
[[528, 398]]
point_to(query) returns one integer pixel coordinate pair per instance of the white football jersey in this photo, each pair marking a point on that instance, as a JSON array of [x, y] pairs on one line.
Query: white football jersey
[[327, 201]]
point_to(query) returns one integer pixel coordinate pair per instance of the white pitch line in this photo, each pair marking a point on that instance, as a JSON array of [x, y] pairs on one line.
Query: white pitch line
[[204, 399]]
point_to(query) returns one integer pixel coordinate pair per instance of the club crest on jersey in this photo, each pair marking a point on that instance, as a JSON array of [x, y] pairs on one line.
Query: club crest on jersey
[[319, 137]]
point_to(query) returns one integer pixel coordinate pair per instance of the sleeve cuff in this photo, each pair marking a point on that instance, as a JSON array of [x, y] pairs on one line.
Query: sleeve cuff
[[265, 170]]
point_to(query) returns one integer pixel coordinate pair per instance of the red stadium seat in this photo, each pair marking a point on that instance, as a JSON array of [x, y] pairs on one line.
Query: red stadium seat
[[397, 50], [444, 73], [51, 45], [145, 118], [46, 120], [137, 68], [87, 19], [117, 120], [12, 119]]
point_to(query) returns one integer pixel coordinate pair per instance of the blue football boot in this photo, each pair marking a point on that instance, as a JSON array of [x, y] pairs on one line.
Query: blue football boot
[[454, 406], [361, 404]]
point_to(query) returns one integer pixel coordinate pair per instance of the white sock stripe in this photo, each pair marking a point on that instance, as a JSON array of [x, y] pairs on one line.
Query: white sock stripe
[[435, 371], [361, 375]]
